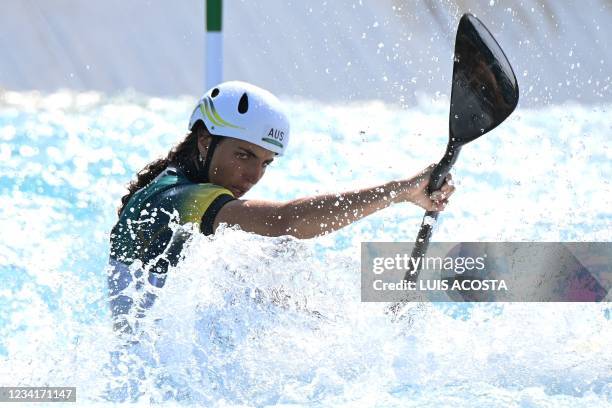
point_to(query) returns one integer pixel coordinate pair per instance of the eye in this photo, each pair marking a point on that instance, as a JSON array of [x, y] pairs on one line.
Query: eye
[[266, 164], [242, 156]]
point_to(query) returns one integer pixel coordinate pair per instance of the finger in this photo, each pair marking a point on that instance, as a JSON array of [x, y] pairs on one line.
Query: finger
[[437, 195], [443, 193], [447, 189], [440, 205], [436, 206]]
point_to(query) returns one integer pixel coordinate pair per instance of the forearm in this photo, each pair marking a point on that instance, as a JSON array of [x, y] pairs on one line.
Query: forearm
[[312, 216]]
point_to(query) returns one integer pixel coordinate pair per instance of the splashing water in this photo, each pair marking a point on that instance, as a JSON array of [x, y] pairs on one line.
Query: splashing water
[[269, 321]]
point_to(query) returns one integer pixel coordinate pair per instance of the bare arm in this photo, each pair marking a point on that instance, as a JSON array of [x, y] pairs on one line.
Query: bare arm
[[312, 216]]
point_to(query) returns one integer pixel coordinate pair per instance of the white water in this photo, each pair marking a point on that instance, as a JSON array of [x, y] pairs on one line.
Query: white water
[[257, 321]]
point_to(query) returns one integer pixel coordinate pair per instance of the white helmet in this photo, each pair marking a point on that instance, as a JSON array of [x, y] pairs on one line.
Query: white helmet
[[246, 112]]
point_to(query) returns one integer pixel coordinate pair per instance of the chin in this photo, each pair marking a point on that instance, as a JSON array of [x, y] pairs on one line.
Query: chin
[[238, 194]]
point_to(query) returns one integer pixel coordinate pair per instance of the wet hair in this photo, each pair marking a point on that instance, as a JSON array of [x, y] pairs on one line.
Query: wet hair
[[185, 156]]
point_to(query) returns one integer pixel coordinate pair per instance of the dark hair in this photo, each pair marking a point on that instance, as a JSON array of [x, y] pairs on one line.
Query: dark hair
[[184, 155]]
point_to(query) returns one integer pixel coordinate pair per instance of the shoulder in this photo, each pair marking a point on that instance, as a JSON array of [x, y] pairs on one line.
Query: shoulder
[[196, 196], [176, 191], [172, 193], [197, 203]]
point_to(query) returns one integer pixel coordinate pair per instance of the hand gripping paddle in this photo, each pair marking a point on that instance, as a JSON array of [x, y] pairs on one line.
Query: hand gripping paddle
[[484, 93]]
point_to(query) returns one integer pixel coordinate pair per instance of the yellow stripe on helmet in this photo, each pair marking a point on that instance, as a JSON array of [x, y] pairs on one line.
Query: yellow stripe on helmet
[[219, 118], [206, 111]]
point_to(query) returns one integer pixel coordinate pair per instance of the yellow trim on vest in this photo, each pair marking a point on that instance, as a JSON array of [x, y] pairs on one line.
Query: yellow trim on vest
[[199, 199]]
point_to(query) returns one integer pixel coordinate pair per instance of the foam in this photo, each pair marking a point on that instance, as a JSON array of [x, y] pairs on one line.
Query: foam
[[252, 320]]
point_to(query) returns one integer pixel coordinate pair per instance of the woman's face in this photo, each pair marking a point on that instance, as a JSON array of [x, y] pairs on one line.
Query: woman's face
[[236, 165]]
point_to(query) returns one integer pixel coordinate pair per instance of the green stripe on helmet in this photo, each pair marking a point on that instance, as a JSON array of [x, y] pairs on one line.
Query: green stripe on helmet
[[272, 141]]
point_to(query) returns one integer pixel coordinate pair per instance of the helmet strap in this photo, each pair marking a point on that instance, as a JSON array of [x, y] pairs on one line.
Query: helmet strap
[[209, 154]]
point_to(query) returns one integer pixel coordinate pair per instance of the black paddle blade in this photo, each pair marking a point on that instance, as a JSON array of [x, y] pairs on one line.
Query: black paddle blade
[[485, 90]]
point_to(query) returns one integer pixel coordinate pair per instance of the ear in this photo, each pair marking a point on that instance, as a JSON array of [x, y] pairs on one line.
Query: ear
[[203, 143]]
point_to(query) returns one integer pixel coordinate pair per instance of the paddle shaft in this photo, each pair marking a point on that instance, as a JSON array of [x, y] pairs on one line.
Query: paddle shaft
[[484, 93], [436, 181]]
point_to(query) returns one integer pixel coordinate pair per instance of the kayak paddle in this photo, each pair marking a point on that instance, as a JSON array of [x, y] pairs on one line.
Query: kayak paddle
[[484, 93]]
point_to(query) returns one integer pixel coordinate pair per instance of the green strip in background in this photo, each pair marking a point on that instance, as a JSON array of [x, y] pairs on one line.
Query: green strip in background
[[213, 15]]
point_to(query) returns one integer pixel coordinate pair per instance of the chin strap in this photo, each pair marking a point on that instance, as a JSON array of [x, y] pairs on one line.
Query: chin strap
[[206, 161]]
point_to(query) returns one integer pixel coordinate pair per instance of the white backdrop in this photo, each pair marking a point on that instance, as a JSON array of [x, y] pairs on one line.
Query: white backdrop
[[325, 50]]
